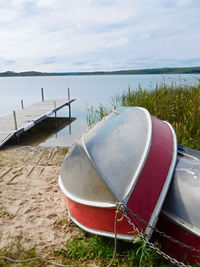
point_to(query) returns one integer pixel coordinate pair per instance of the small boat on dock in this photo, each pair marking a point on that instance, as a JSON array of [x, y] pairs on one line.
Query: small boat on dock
[[131, 158]]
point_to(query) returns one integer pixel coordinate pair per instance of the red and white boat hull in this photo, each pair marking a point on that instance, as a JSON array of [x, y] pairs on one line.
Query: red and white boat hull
[[129, 157]]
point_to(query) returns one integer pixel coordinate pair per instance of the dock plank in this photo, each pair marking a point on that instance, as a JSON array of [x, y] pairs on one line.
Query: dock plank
[[29, 117]]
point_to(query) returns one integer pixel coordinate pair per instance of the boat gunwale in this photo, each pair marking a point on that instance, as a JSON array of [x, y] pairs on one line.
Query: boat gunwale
[[83, 201], [182, 223], [154, 217], [100, 232], [144, 157]]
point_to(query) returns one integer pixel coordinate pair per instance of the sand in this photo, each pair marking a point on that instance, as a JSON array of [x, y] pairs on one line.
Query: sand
[[32, 207]]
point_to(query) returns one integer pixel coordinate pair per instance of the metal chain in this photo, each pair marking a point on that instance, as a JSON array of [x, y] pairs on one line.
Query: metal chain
[[161, 232], [151, 245]]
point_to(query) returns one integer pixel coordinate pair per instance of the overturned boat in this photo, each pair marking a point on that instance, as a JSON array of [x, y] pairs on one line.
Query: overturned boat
[[131, 158]]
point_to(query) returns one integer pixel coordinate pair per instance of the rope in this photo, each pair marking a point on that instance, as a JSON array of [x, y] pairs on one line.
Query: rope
[[19, 261], [41, 259], [118, 211]]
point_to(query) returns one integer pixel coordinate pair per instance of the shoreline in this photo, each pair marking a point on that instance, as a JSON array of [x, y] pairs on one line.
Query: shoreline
[[164, 70]]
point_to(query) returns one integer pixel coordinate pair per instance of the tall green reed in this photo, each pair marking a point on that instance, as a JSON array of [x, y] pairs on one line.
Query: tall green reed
[[179, 105], [96, 114]]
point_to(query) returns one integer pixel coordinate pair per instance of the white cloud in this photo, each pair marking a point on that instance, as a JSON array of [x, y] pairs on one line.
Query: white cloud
[[105, 34]]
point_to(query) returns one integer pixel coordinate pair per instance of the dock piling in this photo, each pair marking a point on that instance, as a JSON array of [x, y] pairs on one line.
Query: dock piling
[[22, 103], [42, 93], [68, 91], [55, 108], [69, 111], [70, 129], [15, 119]]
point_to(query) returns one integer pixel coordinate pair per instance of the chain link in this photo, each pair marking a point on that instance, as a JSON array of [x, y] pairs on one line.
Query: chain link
[[151, 245], [161, 232]]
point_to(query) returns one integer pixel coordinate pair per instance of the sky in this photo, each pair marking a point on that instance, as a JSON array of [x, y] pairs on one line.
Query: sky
[[94, 35]]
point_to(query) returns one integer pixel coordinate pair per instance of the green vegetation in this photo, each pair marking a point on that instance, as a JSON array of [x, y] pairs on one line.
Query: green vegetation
[[99, 250], [88, 251], [177, 105], [96, 114], [188, 70], [20, 258]]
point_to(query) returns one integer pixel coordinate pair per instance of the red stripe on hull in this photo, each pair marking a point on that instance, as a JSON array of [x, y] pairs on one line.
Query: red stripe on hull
[[100, 219], [178, 233], [150, 183]]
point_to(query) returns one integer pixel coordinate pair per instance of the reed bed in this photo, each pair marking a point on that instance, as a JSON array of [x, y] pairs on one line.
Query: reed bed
[[178, 105]]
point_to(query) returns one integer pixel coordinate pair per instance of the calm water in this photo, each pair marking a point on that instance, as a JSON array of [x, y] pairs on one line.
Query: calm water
[[88, 91]]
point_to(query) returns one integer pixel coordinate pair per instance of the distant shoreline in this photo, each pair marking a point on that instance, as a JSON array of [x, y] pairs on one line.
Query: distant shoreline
[[184, 70]]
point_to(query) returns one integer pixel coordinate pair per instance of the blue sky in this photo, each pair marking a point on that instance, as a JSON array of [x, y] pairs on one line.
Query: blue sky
[[90, 35]]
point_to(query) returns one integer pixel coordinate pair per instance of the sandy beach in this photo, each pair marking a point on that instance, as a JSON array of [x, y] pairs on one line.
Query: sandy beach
[[32, 207]]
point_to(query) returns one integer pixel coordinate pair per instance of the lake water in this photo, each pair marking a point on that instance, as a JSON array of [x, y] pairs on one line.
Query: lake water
[[88, 91]]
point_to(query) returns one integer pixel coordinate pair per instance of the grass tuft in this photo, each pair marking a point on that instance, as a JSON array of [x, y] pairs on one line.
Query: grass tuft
[[99, 250]]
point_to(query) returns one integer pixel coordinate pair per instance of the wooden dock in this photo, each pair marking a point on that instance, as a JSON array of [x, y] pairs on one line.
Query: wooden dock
[[22, 120]]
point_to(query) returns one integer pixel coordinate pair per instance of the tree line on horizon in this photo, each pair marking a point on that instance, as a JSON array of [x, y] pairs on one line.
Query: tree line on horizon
[[184, 70]]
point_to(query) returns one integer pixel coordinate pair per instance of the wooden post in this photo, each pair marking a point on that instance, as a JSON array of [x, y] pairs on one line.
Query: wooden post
[[70, 129], [68, 91], [22, 103], [15, 119], [42, 93], [55, 108], [69, 111]]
